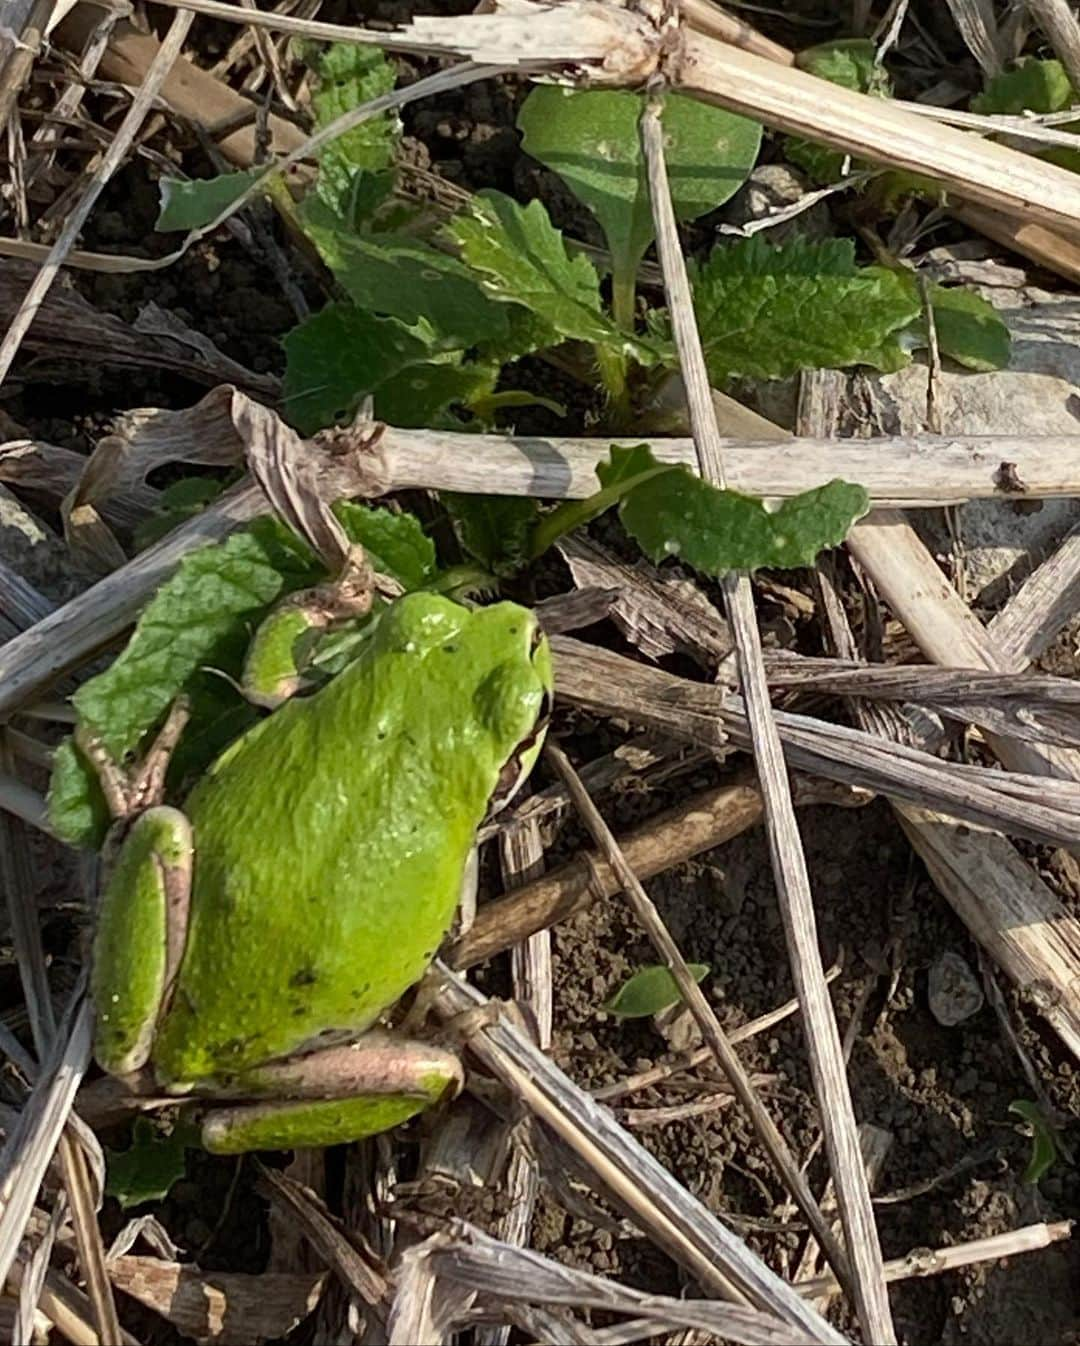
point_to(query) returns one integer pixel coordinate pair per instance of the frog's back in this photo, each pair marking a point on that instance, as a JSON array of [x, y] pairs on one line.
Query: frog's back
[[331, 840]]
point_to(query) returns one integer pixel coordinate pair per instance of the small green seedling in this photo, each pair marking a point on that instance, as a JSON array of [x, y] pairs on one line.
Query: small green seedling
[[1044, 1148], [650, 991], [154, 1161]]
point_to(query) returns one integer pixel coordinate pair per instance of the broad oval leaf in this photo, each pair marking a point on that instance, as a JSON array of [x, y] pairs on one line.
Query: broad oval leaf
[[675, 513], [590, 138], [193, 203], [649, 991]]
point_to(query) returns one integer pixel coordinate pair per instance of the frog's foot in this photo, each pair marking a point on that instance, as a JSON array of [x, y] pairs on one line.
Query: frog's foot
[[129, 793], [281, 649], [333, 1096]]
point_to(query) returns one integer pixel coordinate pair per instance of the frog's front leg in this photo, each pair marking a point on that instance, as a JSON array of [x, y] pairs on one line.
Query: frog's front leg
[[139, 941], [333, 1096]]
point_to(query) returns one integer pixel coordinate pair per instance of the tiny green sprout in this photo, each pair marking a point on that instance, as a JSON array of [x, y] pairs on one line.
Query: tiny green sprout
[[1044, 1148], [649, 991]]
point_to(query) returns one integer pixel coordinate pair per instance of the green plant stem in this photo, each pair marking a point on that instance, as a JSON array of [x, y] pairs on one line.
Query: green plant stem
[[566, 517], [612, 366], [624, 294]]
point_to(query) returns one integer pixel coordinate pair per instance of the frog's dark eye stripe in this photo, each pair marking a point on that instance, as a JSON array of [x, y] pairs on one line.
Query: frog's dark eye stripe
[[513, 774]]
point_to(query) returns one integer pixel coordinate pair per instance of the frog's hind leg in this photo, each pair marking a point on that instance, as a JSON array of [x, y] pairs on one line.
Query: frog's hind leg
[[139, 938], [333, 1096]]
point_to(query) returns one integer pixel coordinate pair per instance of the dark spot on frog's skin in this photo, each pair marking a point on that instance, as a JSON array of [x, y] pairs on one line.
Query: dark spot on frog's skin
[[298, 1011], [305, 976], [234, 1047], [450, 649]]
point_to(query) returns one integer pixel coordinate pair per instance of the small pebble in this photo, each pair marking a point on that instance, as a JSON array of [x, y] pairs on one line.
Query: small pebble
[[954, 990]]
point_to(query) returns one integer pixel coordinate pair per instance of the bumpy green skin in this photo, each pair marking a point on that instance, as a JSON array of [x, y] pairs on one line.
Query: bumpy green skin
[[331, 839]]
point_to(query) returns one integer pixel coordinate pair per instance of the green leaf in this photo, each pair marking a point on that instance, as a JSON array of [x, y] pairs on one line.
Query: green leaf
[[200, 618], [423, 395], [969, 329], [523, 260], [671, 512], [1043, 1144], [766, 312], [337, 357], [396, 544], [192, 204], [849, 62], [349, 76], [649, 991], [591, 140], [147, 1170], [1033, 86], [495, 529], [409, 280], [179, 501], [78, 813]]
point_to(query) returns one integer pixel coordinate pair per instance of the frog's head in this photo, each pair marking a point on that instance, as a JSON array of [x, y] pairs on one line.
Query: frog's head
[[513, 698]]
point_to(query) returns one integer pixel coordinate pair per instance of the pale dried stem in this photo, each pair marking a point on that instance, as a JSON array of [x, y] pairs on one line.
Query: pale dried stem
[[978, 27], [704, 1015], [785, 845], [1047, 599], [111, 160], [936, 1261]]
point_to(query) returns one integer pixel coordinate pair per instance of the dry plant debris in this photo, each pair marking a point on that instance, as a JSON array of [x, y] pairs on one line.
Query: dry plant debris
[[484, 306]]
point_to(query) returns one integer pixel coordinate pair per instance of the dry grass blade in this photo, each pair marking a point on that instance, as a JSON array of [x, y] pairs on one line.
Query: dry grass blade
[[785, 845], [978, 27], [936, 1261], [1046, 600], [30, 1147], [110, 161], [693, 996], [667, 1213], [467, 1255]]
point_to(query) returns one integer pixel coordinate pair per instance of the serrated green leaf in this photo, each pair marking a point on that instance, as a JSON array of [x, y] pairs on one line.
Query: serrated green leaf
[[409, 280], [495, 529], [650, 991], [1043, 1143], [337, 357], [396, 544], [147, 1170], [849, 62], [523, 260], [192, 204], [766, 312], [671, 512], [969, 329], [179, 501], [590, 138], [348, 76], [1033, 86], [200, 618]]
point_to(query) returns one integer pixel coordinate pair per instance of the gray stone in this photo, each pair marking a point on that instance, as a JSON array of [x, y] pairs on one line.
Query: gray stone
[[954, 991]]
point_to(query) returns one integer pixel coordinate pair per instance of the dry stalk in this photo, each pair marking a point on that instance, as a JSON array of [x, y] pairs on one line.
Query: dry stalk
[[785, 846], [936, 1261], [1047, 599], [704, 1015], [110, 161], [699, 823]]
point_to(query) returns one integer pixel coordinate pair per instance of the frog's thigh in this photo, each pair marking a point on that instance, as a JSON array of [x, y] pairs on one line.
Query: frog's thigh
[[139, 936], [337, 1095]]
